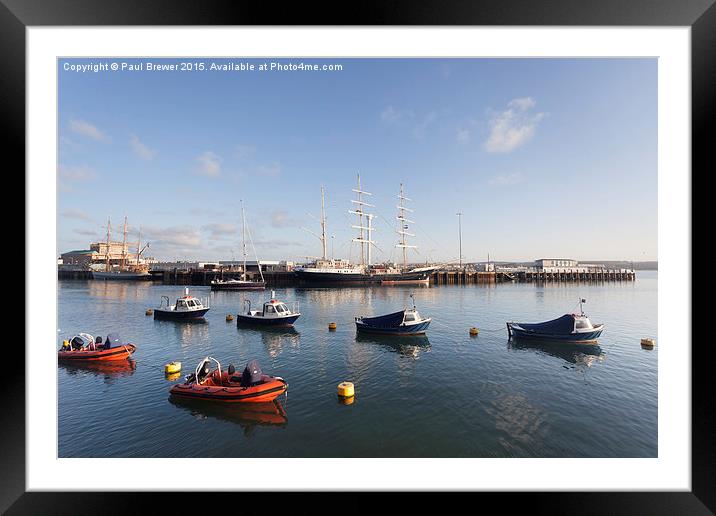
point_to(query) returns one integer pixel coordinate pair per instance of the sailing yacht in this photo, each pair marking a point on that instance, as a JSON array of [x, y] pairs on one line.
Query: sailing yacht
[[366, 273], [125, 270], [243, 283]]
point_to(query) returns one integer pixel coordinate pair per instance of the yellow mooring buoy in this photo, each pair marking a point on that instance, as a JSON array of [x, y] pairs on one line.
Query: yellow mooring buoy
[[229, 318], [172, 367], [474, 331], [346, 390], [149, 312], [647, 343], [332, 326], [172, 376]]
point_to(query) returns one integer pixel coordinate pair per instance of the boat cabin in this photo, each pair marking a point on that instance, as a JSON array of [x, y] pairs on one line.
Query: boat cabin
[[273, 308], [186, 303]]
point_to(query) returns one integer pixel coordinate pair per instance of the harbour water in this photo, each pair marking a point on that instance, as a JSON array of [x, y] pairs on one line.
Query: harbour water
[[444, 395]]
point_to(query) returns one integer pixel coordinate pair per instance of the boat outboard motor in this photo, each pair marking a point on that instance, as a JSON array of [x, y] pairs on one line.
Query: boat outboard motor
[[252, 374]]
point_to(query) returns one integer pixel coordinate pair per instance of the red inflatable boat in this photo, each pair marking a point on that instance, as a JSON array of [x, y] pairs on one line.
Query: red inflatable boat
[[85, 348], [251, 386]]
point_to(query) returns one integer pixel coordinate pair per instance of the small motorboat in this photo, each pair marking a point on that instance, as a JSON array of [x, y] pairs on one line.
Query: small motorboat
[[85, 348], [228, 386], [185, 308], [568, 328], [405, 322], [274, 313]]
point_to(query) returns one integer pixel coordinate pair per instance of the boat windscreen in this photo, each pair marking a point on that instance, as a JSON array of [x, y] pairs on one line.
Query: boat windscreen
[[113, 341]]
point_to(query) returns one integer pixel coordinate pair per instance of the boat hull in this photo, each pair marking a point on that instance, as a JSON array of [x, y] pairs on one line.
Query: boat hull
[[249, 285], [122, 276], [413, 329], [272, 322], [267, 391], [105, 355], [179, 315], [584, 337], [338, 278]]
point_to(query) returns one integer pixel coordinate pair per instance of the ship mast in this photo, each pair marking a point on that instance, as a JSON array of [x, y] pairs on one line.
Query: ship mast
[[403, 226], [360, 227], [124, 244], [109, 233], [139, 244], [323, 226], [243, 238]]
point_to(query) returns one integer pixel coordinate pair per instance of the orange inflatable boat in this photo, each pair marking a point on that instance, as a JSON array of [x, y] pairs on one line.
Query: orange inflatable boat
[[85, 348], [251, 386]]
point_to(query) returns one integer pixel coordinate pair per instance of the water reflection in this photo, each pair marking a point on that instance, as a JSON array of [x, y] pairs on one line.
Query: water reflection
[[578, 354], [406, 345], [246, 415], [275, 339], [108, 369], [187, 331]]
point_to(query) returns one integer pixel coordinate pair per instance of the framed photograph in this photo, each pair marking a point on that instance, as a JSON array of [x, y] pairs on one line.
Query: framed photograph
[[445, 248]]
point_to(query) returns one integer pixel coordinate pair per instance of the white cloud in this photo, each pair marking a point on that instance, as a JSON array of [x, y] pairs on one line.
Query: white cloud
[[75, 173], [507, 179], [219, 230], [245, 151], [281, 219], [209, 164], [84, 128], [421, 129], [86, 232], [73, 213], [391, 115], [140, 149], [513, 127], [272, 170], [174, 238], [463, 136]]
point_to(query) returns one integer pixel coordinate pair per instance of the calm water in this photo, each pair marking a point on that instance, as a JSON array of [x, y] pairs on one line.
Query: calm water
[[447, 395]]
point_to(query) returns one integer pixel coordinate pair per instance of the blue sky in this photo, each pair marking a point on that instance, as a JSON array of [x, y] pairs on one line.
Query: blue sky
[[544, 157]]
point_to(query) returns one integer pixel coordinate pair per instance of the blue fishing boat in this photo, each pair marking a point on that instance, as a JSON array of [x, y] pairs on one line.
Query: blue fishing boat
[[568, 328], [405, 322]]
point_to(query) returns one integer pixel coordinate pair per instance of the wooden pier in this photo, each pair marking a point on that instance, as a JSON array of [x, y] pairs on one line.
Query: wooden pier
[[595, 275]]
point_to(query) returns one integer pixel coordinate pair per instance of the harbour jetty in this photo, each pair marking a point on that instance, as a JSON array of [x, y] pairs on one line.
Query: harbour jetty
[[281, 273]]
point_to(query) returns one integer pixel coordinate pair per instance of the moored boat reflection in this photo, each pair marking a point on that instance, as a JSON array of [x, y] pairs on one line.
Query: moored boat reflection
[[110, 369], [579, 354], [274, 339], [406, 345], [248, 415]]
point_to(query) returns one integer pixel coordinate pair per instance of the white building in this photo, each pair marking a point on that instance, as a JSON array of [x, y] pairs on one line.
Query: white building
[[565, 265]]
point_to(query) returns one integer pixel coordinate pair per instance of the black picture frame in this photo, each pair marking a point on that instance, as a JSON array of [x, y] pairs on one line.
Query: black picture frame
[[700, 15]]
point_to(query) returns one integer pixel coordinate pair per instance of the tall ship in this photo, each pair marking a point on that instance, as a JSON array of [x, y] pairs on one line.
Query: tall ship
[[242, 283], [129, 267], [342, 272]]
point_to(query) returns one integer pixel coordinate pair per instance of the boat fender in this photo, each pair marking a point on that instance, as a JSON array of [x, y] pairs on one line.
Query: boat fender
[[346, 390]]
